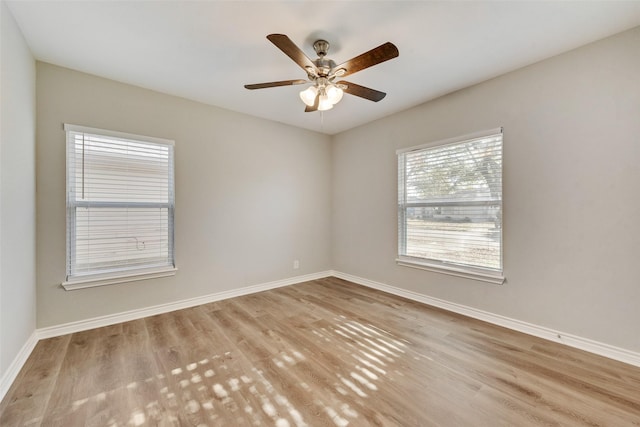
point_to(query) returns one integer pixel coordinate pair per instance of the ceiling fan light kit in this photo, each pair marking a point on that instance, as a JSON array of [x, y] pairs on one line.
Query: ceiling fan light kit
[[322, 72], [330, 95]]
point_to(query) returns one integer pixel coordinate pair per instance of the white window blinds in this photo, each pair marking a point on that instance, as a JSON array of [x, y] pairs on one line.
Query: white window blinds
[[120, 202], [450, 202]]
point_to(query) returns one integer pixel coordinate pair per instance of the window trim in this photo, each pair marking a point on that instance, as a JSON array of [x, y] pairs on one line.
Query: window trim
[[452, 270], [91, 281], [115, 134], [136, 274], [469, 272]]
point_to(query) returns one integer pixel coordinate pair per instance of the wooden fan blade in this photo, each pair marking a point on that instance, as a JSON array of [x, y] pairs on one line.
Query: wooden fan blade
[[276, 84], [315, 106], [289, 48], [375, 56], [361, 91]]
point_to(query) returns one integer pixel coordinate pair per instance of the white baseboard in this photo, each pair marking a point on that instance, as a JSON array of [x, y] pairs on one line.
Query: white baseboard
[[112, 319], [18, 362], [585, 344]]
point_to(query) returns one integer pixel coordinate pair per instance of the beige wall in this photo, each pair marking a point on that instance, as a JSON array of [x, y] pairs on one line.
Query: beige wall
[[251, 195], [17, 192], [571, 192]]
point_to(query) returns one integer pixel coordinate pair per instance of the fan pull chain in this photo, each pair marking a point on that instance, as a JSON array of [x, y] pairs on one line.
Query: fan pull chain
[[321, 121]]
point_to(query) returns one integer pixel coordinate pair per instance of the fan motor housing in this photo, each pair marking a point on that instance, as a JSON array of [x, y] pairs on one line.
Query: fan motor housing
[[324, 66]]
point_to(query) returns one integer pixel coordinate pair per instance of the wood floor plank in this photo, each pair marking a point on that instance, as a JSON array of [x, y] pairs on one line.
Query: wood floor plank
[[319, 353], [27, 398]]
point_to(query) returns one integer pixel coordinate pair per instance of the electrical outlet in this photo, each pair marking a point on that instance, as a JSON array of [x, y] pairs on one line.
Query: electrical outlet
[[296, 264]]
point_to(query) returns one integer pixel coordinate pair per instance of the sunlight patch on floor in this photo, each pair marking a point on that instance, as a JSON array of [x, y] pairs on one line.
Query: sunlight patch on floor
[[208, 391]]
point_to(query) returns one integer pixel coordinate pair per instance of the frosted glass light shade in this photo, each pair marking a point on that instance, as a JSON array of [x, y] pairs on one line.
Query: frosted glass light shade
[[334, 94], [324, 104], [308, 95]]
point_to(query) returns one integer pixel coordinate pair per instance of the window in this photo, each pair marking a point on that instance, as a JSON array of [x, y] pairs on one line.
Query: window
[[450, 206], [120, 205]]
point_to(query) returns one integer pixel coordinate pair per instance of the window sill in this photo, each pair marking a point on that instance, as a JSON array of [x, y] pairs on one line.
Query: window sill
[[468, 273], [111, 279]]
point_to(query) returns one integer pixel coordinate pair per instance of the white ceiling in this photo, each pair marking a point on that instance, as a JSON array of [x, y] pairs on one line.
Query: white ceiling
[[207, 50]]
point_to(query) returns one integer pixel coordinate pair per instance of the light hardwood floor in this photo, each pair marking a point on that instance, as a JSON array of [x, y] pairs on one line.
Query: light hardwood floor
[[320, 353]]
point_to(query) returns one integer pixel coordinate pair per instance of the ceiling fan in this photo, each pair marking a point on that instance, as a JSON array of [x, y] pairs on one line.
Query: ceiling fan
[[325, 92]]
